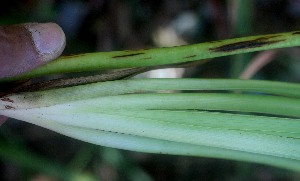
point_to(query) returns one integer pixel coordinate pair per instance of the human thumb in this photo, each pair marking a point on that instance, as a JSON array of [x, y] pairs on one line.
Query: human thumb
[[24, 47]]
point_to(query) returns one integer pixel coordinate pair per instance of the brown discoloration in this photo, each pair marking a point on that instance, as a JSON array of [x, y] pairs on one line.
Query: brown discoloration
[[127, 55], [9, 107], [58, 83], [109, 76], [270, 37], [6, 99], [8, 88], [190, 56], [296, 33], [259, 42]]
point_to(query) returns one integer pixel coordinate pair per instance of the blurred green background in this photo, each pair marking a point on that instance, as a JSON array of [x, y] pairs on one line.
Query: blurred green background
[[28, 152]]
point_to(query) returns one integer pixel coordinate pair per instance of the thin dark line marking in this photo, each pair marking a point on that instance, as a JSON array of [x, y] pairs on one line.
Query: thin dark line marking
[[127, 55], [191, 56]]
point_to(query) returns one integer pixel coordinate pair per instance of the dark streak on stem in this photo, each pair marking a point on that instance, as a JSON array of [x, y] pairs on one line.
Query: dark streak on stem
[[191, 56], [127, 55], [71, 56], [109, 76], [60, 83], [259, 42]]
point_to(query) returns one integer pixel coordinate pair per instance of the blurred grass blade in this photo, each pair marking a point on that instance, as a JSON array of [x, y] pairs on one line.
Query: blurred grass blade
[[129, 115], [27, 159], [162, 56]]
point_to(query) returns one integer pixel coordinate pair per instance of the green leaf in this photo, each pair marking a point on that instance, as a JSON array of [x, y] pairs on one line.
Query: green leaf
[[255, 121]]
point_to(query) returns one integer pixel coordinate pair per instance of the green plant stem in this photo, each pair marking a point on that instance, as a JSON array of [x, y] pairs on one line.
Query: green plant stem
[[162, 56]]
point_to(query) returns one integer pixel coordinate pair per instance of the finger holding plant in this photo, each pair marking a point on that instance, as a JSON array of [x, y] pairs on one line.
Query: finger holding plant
[[27, 46]]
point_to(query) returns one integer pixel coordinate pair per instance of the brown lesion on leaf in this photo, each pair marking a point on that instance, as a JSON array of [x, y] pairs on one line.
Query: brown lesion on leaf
[[9, 107], [6, 99], [71, 56], [68, 82], [258, 42], [127, 55], [190, 56]]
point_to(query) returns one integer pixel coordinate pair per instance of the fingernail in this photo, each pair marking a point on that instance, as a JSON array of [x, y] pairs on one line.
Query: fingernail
[[48, 38]]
